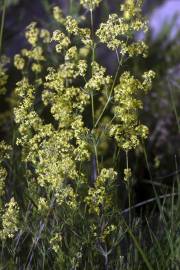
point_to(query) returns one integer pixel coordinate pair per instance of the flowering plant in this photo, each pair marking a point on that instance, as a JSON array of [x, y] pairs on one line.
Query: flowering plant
[[64, 134]]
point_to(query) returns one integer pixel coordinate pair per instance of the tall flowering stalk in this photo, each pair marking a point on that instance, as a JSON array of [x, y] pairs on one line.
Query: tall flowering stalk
[[59, 138]]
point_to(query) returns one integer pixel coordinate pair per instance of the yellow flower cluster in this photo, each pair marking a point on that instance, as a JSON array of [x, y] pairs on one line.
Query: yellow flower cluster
[[103, 232], [33, 56], [10, 220], [98, 79], [9, 212], [84, 34], [71, 25], [76, 259], [24, 113], [56, 160], [128, 131], [127, 174], [131, 8], [135, 49], [147, 82], [32, 33], [3, 74], [62, 40], [81, 152], [36, 53], [58, 14], [3, 174], [19, 62], [64, 101], [43, 206], [45, 36], [4, 154], [56, 242], [98, 198], [90, 4], [117, 32], [108, 230], [36, 68], [66, 196], [71, 54], [55, 153]]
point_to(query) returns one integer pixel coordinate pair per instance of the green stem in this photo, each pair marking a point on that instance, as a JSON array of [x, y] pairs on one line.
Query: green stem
[[105, 129], [127, 160], [92, 35], [97, 162], [110, 94], [2, 24], [174, 106], [91, 94], [93, 57], [137, 244], [129, 187], [70, 8], [92, 107], [167, 233]]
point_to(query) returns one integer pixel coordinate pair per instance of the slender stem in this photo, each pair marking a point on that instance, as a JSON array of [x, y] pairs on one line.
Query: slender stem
[[70, 8], [139, 248], [93, 57], [106, 260], [92, 35], [151, 200], [174, 106], [92, 95], [129, 187], [117, 56], [2, 24], [105, 129], [127, 160], [92, 107], [96, 154], [177, 179], [147, 162], [110, 94]]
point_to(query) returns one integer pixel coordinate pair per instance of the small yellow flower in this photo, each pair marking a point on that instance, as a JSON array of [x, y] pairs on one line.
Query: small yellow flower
[[58, 14], [56, 242], [32, 33], [45, 35], [90, 4], [10, 220], [127, 174], [19, 62]]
